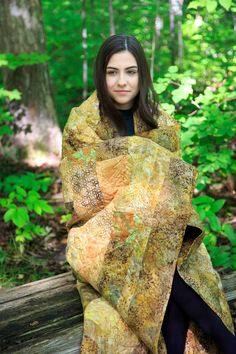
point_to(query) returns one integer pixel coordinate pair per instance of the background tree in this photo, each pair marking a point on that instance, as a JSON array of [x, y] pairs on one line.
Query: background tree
[[22, 35], [176, 38], [112, 24], [85, 46]]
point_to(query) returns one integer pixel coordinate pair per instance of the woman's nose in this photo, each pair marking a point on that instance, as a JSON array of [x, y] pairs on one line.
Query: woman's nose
[[121, 80]]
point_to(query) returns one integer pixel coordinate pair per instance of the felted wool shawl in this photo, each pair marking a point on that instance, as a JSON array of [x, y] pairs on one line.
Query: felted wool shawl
[[131, 204]]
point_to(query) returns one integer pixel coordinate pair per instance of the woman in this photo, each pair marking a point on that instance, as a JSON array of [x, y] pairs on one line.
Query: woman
[[135, 243]]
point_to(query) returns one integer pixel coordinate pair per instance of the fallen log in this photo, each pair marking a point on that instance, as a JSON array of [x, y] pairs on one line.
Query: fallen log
[[46, 316]]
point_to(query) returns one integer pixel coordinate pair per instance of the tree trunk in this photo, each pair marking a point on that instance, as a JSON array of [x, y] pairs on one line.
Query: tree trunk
[[180, 34], [112, 25], [156, 38], [175, 9], [84, 46], [22, 31]]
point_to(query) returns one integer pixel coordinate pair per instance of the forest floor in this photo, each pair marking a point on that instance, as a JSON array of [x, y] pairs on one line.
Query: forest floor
[[44, 256]]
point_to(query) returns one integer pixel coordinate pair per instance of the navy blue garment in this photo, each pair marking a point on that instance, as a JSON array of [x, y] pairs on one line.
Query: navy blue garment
[[184, 305], [128, 116]]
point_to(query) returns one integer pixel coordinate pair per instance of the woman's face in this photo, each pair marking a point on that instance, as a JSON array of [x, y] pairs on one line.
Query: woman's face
[[122, 79]]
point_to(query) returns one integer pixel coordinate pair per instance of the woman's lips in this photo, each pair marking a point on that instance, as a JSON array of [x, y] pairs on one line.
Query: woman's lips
[[122, 92]]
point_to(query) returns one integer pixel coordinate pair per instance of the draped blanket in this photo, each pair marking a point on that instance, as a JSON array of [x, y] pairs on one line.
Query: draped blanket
[[132, 224]]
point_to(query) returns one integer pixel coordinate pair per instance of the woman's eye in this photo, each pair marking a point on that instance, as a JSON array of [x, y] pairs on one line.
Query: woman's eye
[[111, 72], [132, 72]]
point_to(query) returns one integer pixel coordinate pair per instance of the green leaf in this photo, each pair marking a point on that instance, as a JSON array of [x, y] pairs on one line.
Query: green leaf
[[38, 230], [169, 108], [65, 218], [210, 239], [217, 205], [9, 215], [173, 69], [12, 195], [225, 3], [181, 93], [12, 95], [214, 221], [13, 61], [3, 61], [194, 5], [20, 238], [19, 198], [4, 202], [222, 259], [18, 216], [211, 5], [34, 194], [27, 235], [160, 87], [41, 206], [229, 232], [5, 130], [45, 206], [21, 191], [203, 199]]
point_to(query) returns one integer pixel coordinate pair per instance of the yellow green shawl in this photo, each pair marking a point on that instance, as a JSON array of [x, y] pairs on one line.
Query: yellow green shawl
[[131, 203]]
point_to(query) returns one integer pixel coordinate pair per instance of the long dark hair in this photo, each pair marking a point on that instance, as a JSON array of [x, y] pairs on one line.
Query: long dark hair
[[146, 102]]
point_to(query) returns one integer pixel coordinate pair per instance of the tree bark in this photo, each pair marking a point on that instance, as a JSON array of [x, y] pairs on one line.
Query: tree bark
[[176, 38], [112, 24], [22, 31], [84, 46], [156, 38], [180, 34]]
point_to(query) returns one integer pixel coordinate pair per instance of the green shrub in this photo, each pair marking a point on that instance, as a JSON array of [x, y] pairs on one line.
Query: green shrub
[[24, 204], [207, 209], [208, 130]]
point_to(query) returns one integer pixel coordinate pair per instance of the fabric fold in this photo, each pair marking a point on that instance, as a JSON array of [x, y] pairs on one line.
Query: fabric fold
[[131, 199]]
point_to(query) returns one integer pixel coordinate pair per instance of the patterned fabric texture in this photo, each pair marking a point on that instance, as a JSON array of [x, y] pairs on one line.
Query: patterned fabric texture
[[131, 202]]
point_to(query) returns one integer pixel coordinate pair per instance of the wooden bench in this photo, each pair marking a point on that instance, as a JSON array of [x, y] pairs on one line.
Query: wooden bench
[[46, 316]]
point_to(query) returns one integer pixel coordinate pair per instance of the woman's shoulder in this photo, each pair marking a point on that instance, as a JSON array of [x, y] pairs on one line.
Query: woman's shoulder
[[86, 113], [165, 119], [88, 106]]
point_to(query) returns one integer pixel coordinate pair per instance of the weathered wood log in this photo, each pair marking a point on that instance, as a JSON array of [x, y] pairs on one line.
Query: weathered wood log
[[46, 316]]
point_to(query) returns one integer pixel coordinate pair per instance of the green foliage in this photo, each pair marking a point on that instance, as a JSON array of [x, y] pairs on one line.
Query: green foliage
[[5, 120], [23, 204], [225, 255], [65, 218], [206, 138], [12, 61], [3, 255], [210, 5], [208, 130], [17, 269]]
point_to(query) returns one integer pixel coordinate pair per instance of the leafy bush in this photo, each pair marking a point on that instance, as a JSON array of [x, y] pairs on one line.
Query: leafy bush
[[210, 5], [207, 208], [24, 205], [208, 132]]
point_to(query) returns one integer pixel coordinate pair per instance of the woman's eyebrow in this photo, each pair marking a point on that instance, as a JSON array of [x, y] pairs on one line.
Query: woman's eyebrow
[[129, 67]]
